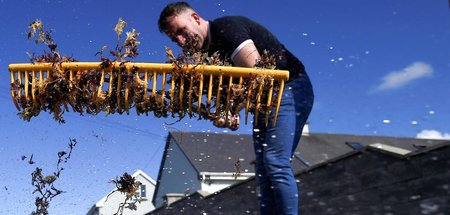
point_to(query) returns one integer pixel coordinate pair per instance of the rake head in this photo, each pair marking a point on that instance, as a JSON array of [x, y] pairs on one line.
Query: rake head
[[164, 89]]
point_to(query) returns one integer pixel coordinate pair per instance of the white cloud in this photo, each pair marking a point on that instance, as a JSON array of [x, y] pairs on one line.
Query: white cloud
[[397, 79], [433, 134]]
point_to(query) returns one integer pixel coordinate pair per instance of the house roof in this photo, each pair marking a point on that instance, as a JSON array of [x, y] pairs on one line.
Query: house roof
[[144, 175], [319, 147], [416, 179], [216, 152]]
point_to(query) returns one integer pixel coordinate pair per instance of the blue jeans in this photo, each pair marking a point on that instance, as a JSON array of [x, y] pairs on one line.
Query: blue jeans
[[274, 148]]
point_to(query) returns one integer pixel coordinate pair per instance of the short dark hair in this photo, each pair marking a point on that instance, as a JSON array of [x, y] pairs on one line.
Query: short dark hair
[[170, 10]]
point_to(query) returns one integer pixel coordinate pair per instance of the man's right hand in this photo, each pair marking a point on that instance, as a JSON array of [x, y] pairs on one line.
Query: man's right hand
[[232, 123]]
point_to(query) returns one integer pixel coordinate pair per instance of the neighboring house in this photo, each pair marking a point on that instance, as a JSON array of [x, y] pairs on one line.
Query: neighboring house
[[337, 174], [110, 203], [204, 162]]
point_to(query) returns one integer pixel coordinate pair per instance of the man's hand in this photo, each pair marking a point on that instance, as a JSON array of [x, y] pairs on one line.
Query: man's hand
[[232, 123]]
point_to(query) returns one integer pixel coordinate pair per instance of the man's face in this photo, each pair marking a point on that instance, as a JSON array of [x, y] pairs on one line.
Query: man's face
[[184, 30]]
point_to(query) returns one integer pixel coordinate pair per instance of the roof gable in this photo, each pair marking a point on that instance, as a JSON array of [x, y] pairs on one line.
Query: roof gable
[[144, 175]]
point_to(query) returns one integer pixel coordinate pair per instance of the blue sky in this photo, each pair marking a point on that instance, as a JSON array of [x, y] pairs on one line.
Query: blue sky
[[378, 68]]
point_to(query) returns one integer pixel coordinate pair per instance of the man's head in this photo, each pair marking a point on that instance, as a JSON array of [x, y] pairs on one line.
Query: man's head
[[183, 25]]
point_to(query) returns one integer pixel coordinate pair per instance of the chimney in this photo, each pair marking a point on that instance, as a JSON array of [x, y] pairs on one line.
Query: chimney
[[170, 198], [305, 131]]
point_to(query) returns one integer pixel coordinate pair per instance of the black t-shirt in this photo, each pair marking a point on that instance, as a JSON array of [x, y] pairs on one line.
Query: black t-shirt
[[227, 33]]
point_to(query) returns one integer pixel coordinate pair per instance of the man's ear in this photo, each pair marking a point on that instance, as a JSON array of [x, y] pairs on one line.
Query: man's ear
[[196, 17]]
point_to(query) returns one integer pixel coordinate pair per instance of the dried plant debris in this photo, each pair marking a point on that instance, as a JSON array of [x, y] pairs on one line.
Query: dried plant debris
[[128, 186], [51, 92], [44, 36], [84, 90], [266, 61], [251, 89], [61, 89], [237, 168], [123, 51], [183, 79], [45, 184]]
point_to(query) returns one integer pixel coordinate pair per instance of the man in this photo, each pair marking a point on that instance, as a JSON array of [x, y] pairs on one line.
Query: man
[[242, 41]]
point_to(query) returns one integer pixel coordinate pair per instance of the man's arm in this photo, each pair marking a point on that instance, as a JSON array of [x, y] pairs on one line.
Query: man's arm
[[246, 56]]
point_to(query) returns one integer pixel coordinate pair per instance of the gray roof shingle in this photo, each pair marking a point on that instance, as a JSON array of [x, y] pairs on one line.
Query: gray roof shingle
[[214, 152], [218, 152]]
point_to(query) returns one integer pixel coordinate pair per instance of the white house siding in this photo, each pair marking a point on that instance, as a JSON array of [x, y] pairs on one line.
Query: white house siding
[[110, 205]]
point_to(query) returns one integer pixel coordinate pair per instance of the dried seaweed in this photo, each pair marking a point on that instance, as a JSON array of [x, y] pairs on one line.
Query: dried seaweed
[[51, 93], [237, 167], [45, 185], [129, 186]]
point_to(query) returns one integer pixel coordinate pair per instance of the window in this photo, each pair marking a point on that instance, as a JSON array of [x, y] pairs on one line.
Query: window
[[143, 191]]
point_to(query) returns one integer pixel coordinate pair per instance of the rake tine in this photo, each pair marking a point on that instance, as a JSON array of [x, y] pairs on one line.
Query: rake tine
[[191, 84], [269, 102], [66, 107], [181, 92], [155, 79], [258, 100], [144, 95], [200, 94], [138, 81], [33, 87], [41, 75], [218, 95], [280, 94], [26, 85], [119, 89], [19, 78], [12, 77], [127, 92], [70, 76], [71, 91], [241, 80], [227, 106], [97, 95], [163, 90], [172, 89], [42, 81], [111, 78], [249, 96], [13, 91], [208, 101], [100, 87]]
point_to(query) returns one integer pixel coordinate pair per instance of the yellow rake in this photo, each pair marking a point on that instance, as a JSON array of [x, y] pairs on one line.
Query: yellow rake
[[176, 89]]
